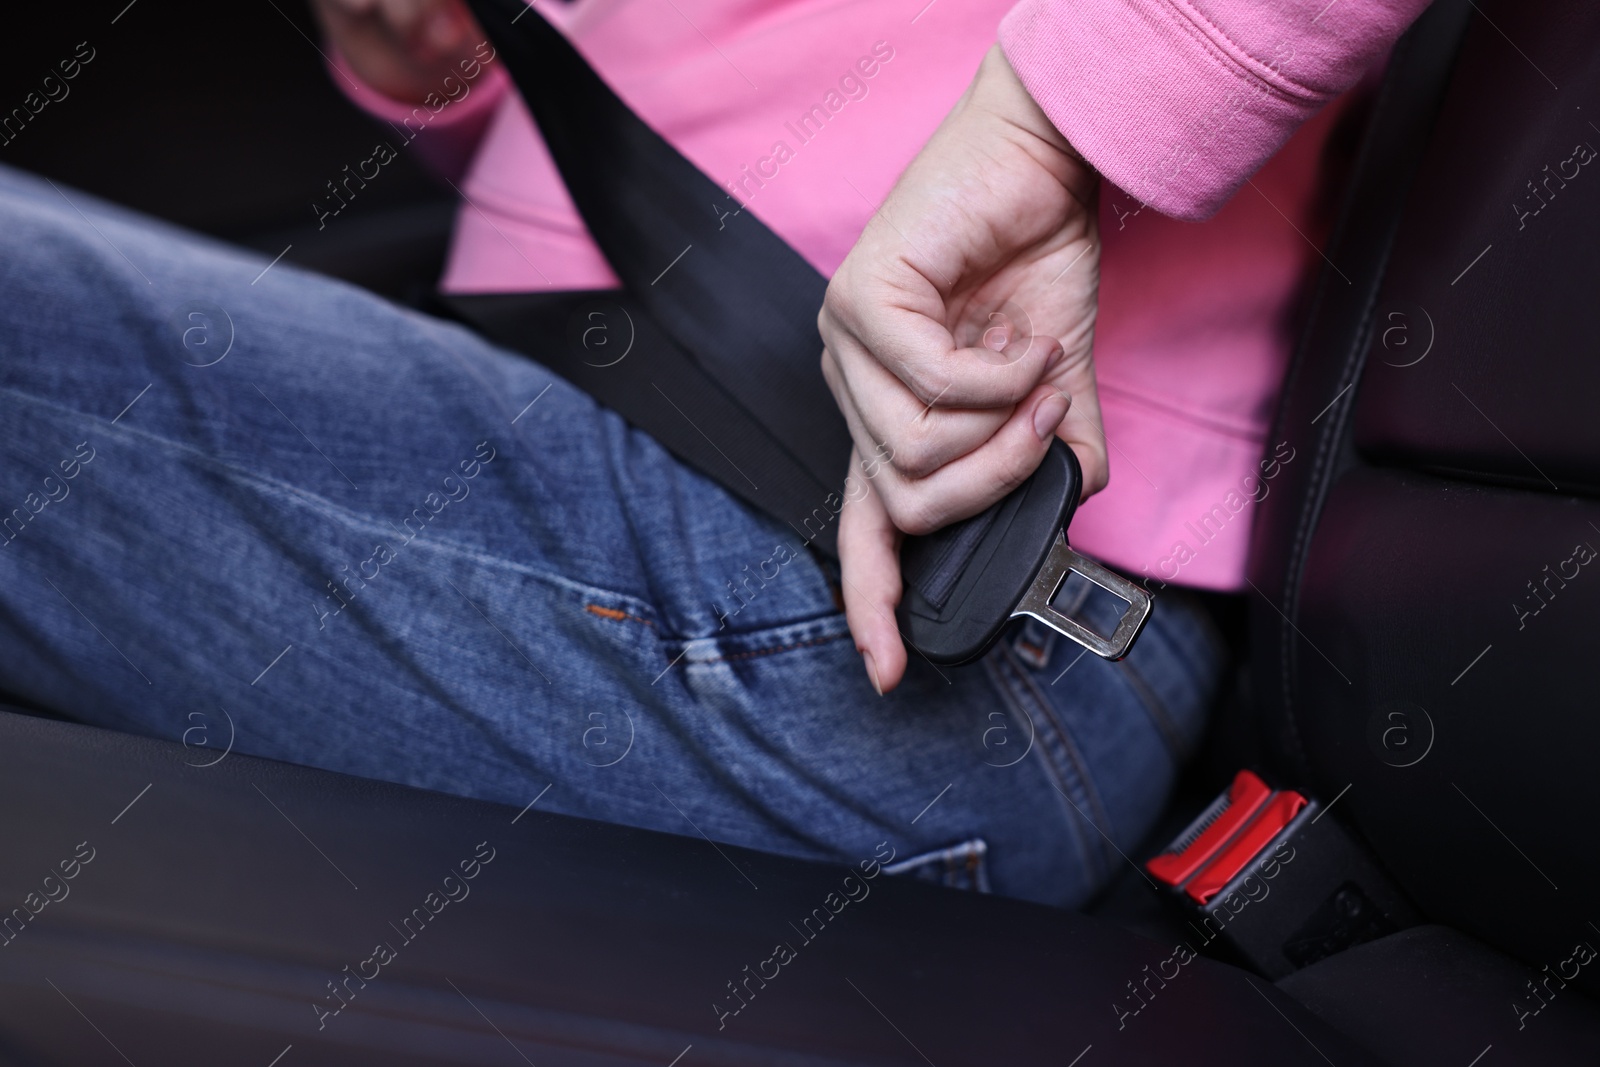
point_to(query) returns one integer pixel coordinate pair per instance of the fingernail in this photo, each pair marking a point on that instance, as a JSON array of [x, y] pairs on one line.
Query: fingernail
[[872, 671], [1048, 415], [1057, 354]]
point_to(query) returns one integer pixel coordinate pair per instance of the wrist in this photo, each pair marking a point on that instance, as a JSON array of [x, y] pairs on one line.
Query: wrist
[[999, 93]]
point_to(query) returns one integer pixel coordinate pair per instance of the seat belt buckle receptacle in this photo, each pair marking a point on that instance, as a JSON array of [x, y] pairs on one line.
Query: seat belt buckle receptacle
[[1274, 883]]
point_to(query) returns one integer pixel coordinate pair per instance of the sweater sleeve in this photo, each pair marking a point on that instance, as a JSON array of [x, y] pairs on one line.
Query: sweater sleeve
[[445, 130], [1179, 101]]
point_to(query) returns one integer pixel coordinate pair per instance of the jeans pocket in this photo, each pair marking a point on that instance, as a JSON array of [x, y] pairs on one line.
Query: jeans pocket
[[961, 866]]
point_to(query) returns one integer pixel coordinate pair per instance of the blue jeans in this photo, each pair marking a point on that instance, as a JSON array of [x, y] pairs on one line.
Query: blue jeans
[[253, 507]]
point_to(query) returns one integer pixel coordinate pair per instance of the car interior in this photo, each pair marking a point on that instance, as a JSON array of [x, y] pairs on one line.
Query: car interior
[[1407, 686]]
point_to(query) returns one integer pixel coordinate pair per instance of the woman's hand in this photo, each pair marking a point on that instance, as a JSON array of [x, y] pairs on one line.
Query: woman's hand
[[958, 338], [403, 48]]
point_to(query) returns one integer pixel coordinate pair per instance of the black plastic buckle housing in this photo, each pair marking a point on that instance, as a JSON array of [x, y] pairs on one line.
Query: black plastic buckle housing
[[1262, 873]]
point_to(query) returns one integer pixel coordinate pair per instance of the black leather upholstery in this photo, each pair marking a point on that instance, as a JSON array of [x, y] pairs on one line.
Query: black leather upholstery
[[1513, 340], [216, 908], [1389, 654], [1407, 996]]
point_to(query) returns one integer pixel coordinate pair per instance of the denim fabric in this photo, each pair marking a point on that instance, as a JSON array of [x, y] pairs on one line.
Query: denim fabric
[[251, 505], [961, 866]]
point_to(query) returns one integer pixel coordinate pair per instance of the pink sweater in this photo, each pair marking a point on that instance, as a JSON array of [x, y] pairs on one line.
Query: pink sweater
[[1177, 102]]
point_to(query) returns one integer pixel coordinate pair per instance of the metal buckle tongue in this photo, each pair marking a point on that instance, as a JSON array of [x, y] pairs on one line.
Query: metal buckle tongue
[[1061, 562]]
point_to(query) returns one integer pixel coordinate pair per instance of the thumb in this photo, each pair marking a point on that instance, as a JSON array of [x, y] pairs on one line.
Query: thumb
[[1083, 429], [869, 565]]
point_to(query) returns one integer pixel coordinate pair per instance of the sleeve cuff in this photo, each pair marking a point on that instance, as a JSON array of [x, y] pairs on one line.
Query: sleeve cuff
[[1175, 109]]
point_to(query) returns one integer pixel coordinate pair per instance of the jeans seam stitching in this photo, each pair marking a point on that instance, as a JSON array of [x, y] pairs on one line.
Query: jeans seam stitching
[[1091, 793], [1155, 708], [1065, 774]]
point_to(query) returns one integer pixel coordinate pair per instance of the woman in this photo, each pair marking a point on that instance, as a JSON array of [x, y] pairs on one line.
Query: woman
[[376, 543]]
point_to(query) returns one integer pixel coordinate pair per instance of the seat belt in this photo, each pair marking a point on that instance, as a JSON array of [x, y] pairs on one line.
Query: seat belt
[[724, 365], [719, 360]]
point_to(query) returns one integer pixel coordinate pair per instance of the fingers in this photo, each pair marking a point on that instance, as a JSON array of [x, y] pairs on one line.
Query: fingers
[[968, 484], [394, 16], [869, 565], [431, 27], [442, 28], [1082, 429], [408, 50], [911, 342], [870, 523], [916, 438], [404, 17]]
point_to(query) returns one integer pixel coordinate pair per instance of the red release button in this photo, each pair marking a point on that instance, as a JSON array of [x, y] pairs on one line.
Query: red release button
[[1275, 815], [1245, 795]]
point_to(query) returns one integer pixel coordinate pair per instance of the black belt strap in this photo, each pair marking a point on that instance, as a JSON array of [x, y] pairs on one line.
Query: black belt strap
[[721, 312], [609, 345], [740, 303]]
